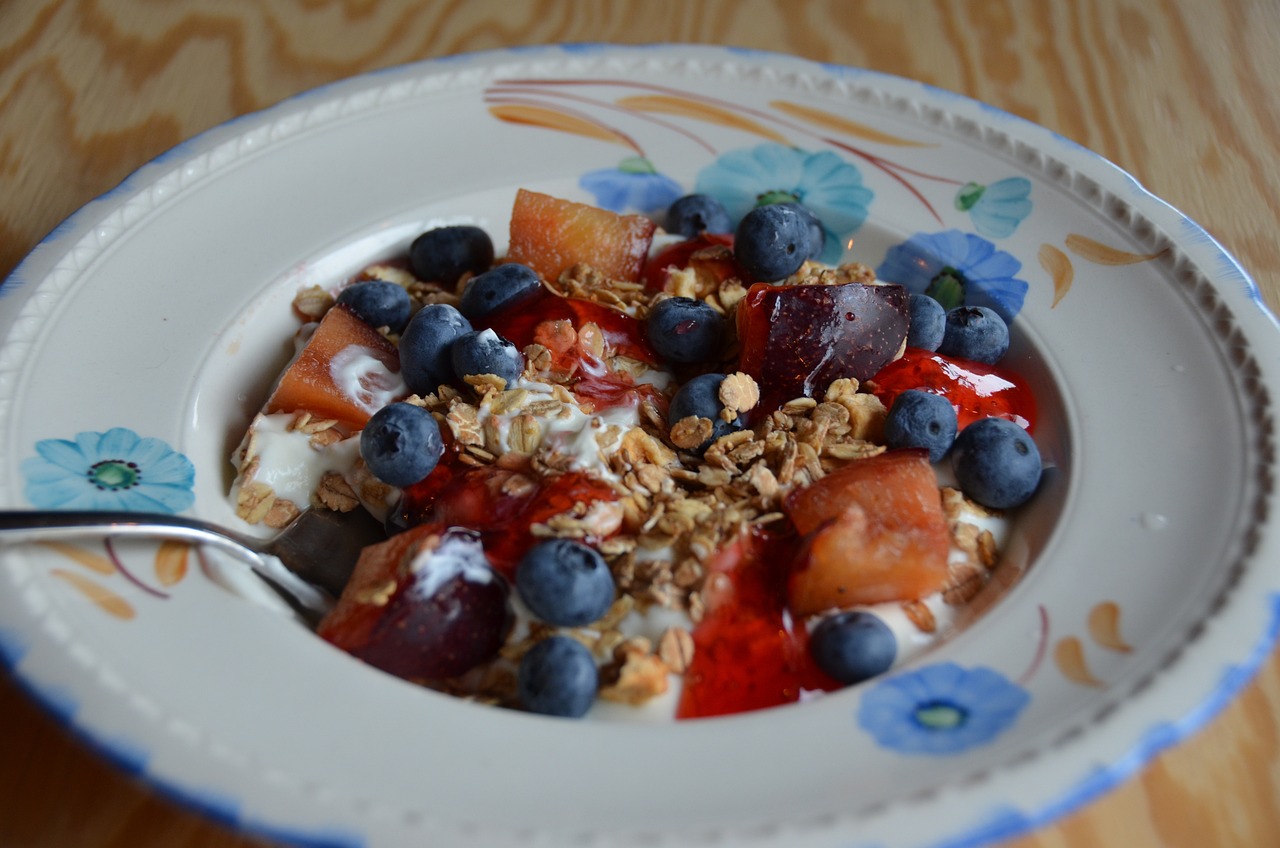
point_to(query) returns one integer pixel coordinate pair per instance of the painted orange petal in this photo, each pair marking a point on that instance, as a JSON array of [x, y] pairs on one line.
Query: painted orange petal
[[171, 562], [1058, 265], [668, 105], [554, 119], [1096, 251], [107, 600], [94, 562], [1069, 655], [1104, 627], [841, 124]]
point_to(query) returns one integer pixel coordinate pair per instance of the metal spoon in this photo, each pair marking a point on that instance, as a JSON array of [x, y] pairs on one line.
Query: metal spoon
[[320, 546]]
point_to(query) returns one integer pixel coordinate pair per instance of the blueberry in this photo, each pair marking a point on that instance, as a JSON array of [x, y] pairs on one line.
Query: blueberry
[[425, 362], [853, 646], [928, 322], [772, 242], [486, 352], [817, 235], [700, 397], [996, 463], [920, 419], [565, 582], [976, 333], [444, 254], [682, 329], [505, 285], [558, 677], [378, 303], [695, 214], [401, 444]]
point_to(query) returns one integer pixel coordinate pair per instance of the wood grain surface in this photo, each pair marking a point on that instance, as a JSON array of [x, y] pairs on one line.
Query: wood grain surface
[[1181, 93]]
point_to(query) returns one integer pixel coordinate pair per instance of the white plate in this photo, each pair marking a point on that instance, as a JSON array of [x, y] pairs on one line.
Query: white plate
[[161, 310]]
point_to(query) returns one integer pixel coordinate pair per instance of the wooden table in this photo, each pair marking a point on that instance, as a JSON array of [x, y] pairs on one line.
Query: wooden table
[[1181, 93]]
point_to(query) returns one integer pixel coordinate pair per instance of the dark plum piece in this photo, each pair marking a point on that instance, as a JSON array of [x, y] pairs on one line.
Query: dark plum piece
[[401, 444], [685, 330], [796, 340], [444, 254], [504, 286], [425, 347], [424, 605]]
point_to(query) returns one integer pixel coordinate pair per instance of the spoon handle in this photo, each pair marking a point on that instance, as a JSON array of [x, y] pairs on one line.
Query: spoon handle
[[46, 525]]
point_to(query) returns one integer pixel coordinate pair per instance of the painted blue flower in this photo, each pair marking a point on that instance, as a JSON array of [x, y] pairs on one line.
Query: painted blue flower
[[957, 268], [827, 185], [632, 186], [941, 709], [113, 470], [997, 209]]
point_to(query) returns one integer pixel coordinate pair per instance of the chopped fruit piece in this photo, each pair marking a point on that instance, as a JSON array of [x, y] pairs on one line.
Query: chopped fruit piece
[[551, 235], [796, 340], [347, 370], [424, 605], [875, 532]]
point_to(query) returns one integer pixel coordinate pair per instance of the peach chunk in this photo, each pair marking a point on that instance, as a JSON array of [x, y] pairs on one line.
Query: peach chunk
[[346, 370], [874, 532], [550, 235]]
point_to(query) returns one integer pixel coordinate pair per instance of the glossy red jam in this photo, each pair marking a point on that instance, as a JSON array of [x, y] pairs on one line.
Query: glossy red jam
[[748, 652], [498, 504], [975, 390], [538, 320]]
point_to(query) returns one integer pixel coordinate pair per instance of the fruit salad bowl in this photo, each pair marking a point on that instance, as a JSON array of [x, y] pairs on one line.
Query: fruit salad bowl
[[1135, 593]]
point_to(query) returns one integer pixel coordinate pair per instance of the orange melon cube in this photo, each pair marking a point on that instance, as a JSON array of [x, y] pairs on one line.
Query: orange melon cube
[[550, 235], [347, 370], [875, 532]]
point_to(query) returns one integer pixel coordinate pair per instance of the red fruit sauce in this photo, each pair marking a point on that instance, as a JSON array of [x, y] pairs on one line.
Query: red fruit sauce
[[533, 321], [748, 652], [459, 495], [715, 256], [975, 390]]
